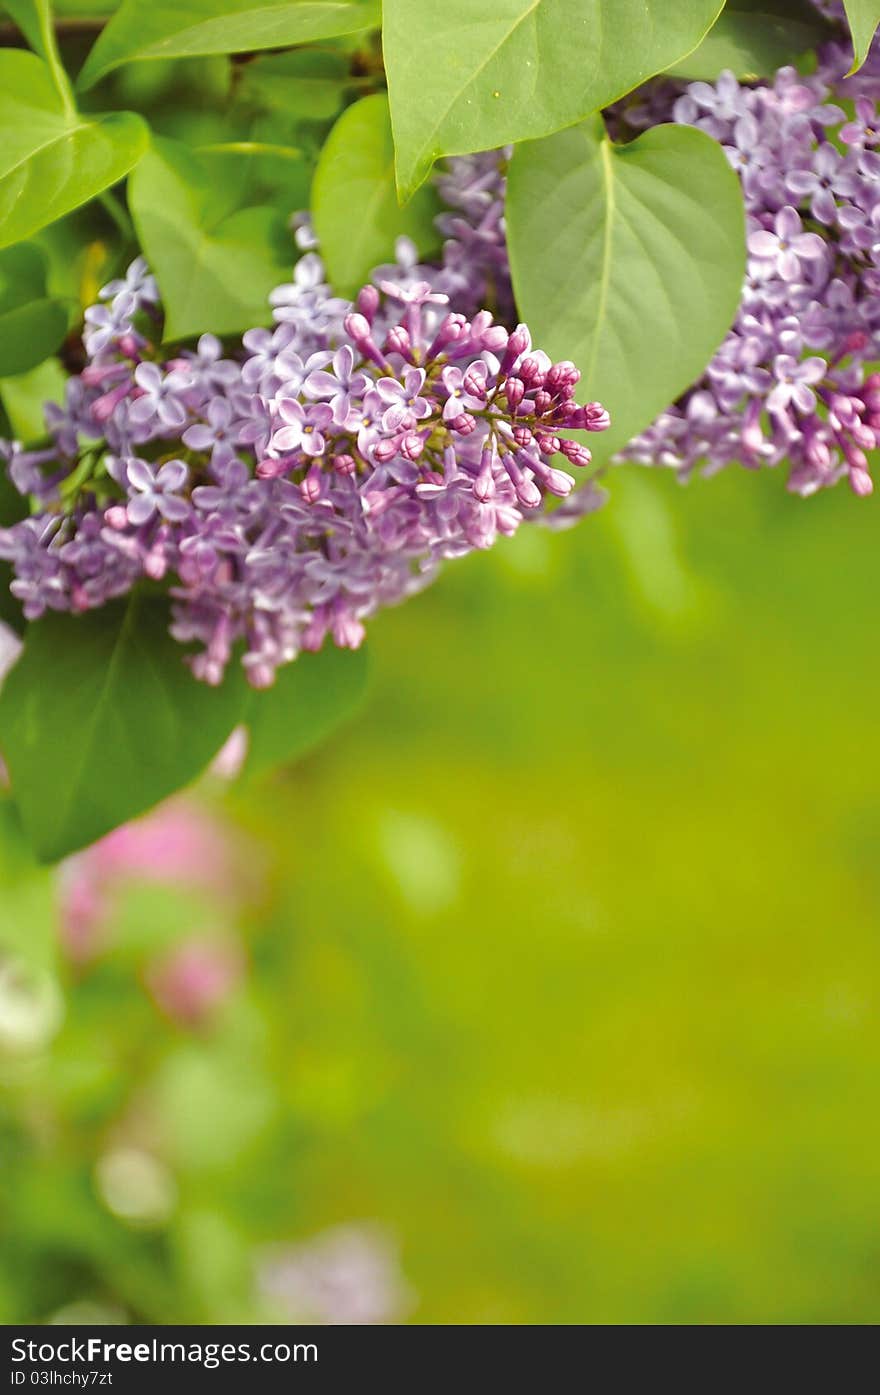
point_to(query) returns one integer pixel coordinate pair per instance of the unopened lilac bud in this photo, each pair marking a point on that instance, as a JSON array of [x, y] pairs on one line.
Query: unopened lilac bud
[[272, 469], [531, 370], [563, 378], [519, 342], [860, 483], [116, 518], [464, 424], [523, 436], [412, 445], [542, 401], [344, 464], [454, 328], [547, 445], [595, 416], [368, 302], [529, 494], [514, 391], [558, 483], [397, 341], [576, 453], [474, 380], [386, 450], [312, 485]]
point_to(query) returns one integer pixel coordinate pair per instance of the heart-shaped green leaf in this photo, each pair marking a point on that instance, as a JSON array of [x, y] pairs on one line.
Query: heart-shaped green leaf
[[864, 17], [464, 76], [51, 160], [215, 262], [308, 700], [627, 259], [752, 38], [354, 202], [165, 29], [32, 324], [100, 719]]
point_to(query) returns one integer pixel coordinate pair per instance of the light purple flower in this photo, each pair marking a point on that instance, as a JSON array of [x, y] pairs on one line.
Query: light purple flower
[[787, 246], [160, 402], [156, 491]]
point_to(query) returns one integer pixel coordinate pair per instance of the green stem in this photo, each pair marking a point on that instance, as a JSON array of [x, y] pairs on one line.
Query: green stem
[[53, 58], [116, 210], [250, 147]]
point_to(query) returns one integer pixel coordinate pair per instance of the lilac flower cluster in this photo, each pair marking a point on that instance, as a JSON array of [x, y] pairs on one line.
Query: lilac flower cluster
[[292, 489], [792, 381]]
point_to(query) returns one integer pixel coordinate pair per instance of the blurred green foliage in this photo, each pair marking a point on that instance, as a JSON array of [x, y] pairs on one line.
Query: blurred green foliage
[[563, 958]]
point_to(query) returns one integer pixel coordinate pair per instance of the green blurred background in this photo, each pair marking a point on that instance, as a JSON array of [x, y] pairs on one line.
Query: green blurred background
[[561, 962]]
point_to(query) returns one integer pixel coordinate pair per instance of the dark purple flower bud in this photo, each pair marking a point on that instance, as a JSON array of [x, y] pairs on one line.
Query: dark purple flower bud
[[563, 378], [312, 485], [596, 418], [575, 452], [531, 370], [523, 436], [543, 402], [474, 380], [344, 464]]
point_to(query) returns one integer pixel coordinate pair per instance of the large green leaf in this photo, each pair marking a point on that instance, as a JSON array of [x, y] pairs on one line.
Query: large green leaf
[[32, 324], [752, 38], [52, 160], [100, 718], [308, 700], [215, 261], [628, 260], [354, 203], [168, 29], [864, 17], [464, 76]]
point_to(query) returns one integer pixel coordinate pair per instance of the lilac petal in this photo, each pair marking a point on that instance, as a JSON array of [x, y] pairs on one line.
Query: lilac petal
[[763, 243], [321, 384], [172, 507], [139, 475], [287, 438], [172, 476], [788, 223], [312, 443], [803, 397], [141, 509], [198, 437], [142, 410], [810, 246]]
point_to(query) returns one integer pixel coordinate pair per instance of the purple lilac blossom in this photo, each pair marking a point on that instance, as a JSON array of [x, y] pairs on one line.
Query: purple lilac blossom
[[792, 382], [288, 492]]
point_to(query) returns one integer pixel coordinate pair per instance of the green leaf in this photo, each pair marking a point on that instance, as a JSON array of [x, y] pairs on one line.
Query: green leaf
[[464, 76], [306, 83], [100, 719], [308, 700], [214, 260], [864, 17], [356, 172], [627, 259], [32, 324], [24, 398], [752, 38], [52, 161], [166, 29]]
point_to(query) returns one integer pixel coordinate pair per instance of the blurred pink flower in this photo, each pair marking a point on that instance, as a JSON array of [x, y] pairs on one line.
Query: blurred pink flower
[[178, 844], [195, 978]]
